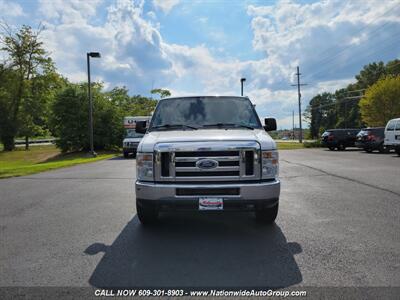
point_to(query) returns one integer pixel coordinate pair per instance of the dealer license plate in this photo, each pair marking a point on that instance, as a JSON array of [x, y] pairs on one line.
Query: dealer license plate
[[211, 203]]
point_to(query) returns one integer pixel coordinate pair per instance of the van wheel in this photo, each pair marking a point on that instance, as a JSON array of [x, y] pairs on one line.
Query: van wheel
[[147, 214], [383, 149], [331, 148], [397, 151], [267, 215], [368, 150], [126, 155], [341, 147]]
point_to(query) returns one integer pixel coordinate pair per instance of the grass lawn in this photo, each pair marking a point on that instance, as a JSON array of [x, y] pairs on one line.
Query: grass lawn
[[42, 158], [289, 145]]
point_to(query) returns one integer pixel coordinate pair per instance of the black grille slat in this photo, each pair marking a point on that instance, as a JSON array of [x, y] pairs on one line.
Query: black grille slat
[[249, 155], [165, 164], [207, 173], [206, 153], [185, 164], [193, 163], [228, 163], [207, 192]]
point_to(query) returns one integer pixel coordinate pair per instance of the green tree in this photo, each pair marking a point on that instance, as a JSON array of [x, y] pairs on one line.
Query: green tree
[[320, 113], [131, 105], [381, 101], [370, 74], [162, 92], [8, 89], [70, 119], [32, 70], [345, 109]]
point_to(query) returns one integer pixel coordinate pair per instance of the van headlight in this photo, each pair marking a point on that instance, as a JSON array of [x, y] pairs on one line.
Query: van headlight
[[144, 166], [270, 164]]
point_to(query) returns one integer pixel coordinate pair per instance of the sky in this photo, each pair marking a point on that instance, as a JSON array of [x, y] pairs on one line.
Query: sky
[[195, 47]]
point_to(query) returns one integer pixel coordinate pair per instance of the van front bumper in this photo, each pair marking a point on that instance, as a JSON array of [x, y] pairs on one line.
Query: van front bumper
[[255, 194], [262, 190]]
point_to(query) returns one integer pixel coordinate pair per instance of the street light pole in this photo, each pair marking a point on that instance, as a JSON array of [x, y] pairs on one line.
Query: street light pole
[[88, 55], [241, 85]]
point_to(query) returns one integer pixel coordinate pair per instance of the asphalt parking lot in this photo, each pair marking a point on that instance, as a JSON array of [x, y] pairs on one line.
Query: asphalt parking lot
[[338, 225]]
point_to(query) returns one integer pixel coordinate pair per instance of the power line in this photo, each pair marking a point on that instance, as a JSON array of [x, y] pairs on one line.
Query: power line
[[353, 91], [328, 60], [338, 102], [396, 64], [380, 50], [331, 58]]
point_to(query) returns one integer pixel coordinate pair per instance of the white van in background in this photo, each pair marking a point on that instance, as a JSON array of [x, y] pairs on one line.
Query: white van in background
[[132, 138], [392, 135]]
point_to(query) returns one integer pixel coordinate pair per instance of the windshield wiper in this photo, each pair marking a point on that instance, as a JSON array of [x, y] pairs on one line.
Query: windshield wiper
[[172, 126], [228, 125]]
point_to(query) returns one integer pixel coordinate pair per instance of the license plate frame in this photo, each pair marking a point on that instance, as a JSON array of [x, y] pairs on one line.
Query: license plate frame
[[211, 203]]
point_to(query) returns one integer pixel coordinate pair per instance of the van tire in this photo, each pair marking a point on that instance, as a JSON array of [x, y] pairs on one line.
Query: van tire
[[126, 154], [341, 147], [383, 149], [267, 215], [147, 214], [397, 151], [331, 148], [369, 150]]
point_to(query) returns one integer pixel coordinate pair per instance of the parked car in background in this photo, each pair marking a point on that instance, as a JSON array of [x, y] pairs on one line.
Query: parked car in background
[[132, 138], [339, 138], [371, 139], [392, 135]]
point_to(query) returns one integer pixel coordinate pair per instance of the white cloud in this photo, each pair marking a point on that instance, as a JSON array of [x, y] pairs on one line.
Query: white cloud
[[203, 20], [11, 9], [314, 35], [152, 15], [165, 5], [72, 11], [135, 54], [131, 47]]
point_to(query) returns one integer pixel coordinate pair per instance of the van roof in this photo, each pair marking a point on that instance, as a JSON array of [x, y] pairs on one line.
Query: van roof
[[206, 96], [342, 129]]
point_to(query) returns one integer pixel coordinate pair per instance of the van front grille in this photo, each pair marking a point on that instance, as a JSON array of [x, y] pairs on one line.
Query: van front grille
[[238, 161]]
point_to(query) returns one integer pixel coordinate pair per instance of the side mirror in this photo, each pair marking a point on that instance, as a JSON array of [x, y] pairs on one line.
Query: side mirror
[[141, 127], [270, 124]]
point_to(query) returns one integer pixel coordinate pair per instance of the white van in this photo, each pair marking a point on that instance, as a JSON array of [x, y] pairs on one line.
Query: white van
[[392, 135], [207, 153]]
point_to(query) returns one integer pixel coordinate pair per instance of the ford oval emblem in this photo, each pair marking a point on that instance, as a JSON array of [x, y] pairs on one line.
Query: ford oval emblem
[[207, 164]]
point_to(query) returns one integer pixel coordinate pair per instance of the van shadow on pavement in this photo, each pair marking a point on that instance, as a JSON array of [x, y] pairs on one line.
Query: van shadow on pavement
[[194, 250]]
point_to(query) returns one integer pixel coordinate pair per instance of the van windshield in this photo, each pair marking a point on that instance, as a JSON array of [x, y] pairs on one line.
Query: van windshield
[[204, 112]]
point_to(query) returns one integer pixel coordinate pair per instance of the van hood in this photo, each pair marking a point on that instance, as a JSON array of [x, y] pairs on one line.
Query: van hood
[[206, 135]]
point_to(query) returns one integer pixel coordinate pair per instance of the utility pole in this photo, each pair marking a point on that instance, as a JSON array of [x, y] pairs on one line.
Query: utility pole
[[292, 124], [299, 96]]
